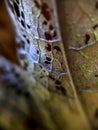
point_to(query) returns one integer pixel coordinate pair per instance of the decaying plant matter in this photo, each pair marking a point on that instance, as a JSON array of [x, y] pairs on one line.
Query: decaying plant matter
[[48, 65]]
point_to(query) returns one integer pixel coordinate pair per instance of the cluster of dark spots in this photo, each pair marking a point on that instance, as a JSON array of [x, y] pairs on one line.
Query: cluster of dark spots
[[96, 113], [23, 23], [57, 48], [47, 62], [96, 5], [48, 58], [95, 26], [48, 36], [37, 4], [60, 87], [16, 7], [45, 23], [45, 11], [48, 47], [87, 38], [58, 82]]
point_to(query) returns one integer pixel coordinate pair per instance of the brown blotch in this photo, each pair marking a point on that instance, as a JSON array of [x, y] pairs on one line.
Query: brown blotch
[[95, 26], [63, 90], [45, 11], [48, 47], [96, 5], [57, 48], [57, 82], [87, 37], [48, 36], [45, 22], [51, 77], [37, 4], [51, 27], [54, 34]]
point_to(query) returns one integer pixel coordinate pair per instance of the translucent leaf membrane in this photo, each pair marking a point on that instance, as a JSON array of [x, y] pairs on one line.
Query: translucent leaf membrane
[[83, 22], [37, 26]]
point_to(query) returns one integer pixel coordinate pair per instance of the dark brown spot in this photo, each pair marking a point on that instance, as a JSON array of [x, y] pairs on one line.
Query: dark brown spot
[[96, 5], [54, 34], [45, 22], [51, 77], [45, 11], [37, 4], [57, 48], [47, 58], [48, 47], [48, 36], [47, 62], [95, 26], [57, 82], [87, 37], [96, 113], [63, 90], [51, 27]]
